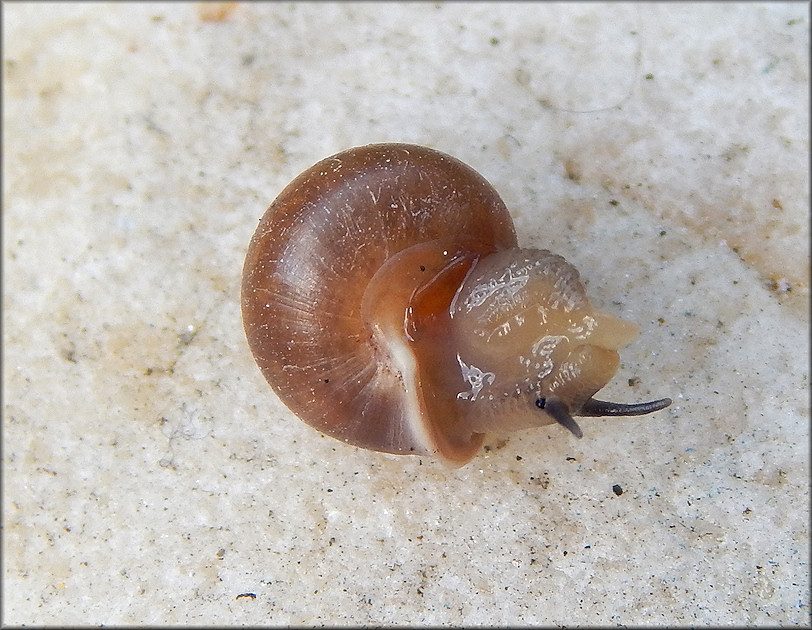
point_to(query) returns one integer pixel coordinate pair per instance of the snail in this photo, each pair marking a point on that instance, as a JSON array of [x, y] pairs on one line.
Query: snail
[[387, 303]]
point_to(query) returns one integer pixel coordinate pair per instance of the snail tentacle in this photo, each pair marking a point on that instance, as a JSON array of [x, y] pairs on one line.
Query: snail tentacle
[[594, 407], [561, 414]]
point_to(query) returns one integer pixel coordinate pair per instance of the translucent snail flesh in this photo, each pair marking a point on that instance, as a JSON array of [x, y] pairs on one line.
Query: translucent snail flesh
[[387, 303]]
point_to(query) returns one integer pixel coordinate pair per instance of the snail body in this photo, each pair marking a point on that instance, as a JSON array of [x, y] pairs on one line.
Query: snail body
[[387, 303]]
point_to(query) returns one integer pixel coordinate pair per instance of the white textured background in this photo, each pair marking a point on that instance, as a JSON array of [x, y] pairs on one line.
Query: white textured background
[[151, 476]]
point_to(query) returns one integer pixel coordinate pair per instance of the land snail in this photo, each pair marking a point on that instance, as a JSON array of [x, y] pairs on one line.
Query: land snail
[[387, 303]]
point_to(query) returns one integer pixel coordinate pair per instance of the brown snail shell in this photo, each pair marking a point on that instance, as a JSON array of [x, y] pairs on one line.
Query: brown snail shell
[[387, 303]]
